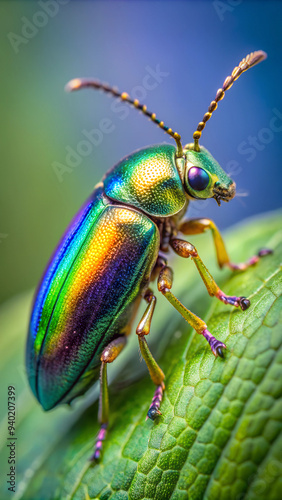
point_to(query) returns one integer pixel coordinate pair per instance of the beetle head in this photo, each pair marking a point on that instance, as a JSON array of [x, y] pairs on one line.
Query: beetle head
[[204, 177]]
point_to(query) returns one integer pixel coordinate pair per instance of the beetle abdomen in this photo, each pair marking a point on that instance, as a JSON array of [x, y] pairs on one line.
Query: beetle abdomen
[[82, 309], [148, 179]]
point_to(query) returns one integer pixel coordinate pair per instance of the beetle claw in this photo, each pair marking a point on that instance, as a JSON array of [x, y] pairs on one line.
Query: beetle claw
[[265, 251], [153, 413], [217, 347], [244, 303], [95, 457], [220, 351]]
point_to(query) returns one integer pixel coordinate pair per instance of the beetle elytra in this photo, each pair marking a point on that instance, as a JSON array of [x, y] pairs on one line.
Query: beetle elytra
[[114, 247]]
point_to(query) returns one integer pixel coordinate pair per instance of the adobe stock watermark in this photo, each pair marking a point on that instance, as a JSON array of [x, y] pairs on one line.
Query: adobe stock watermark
[[259, 486], [249, 147], [221, 8], [256, 143], [30, 27], [94, 137]]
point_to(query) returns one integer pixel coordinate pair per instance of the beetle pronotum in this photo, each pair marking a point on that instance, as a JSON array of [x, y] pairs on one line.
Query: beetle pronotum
[[101, 269]]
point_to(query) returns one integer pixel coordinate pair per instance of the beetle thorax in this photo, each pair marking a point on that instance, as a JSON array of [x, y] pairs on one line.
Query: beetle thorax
[[149, 181]]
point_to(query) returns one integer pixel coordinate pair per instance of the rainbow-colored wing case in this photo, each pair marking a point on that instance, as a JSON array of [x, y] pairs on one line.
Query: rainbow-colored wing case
[[88, 296]]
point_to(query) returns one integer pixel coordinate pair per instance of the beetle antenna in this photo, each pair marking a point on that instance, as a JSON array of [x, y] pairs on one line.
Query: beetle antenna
[[80, 83], [248, 62]]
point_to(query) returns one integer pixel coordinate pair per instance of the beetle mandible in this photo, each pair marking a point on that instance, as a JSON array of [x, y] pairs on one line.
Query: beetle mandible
[[101, 269]]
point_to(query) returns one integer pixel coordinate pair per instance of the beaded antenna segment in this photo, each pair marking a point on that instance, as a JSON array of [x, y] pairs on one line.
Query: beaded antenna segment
[[248, 62], [80, 83]]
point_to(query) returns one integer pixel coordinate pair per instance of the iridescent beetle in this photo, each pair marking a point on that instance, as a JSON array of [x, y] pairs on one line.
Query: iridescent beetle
[[93, 285]]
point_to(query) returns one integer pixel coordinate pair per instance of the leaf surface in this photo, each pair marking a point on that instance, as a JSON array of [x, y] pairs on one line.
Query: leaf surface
[[220, 433]]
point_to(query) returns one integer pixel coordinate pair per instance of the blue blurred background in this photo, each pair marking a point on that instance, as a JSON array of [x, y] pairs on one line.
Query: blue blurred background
[[195, 44]]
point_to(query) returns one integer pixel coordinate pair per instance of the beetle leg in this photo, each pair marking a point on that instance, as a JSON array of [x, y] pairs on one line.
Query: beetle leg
[[198, 226], [155, 371], [108, 355], [185, 249], [164, 286]]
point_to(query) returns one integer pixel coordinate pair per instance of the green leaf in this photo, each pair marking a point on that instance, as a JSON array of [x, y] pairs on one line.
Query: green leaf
[[220, 433]]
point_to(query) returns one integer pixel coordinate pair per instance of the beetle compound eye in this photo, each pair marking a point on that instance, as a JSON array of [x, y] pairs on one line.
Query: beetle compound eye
[[198, 178]]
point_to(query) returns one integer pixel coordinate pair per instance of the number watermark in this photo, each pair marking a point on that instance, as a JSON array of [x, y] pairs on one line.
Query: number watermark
[[11, 439]]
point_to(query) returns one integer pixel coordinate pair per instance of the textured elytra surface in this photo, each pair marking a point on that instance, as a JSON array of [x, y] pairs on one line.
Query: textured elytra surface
[[220, 433]]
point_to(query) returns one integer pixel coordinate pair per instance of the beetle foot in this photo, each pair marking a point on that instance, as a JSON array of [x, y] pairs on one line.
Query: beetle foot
[[216, 346], [99, 443], [265, 251], [154, 411], [242, 302], [251, 262]]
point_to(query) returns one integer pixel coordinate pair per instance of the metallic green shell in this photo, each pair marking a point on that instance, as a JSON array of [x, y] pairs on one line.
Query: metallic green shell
[[88, 296], [148, 179]]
